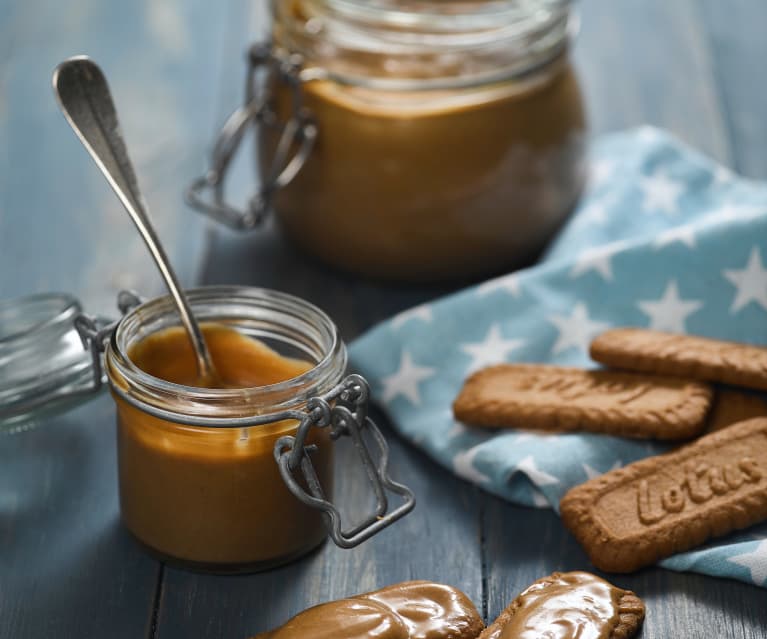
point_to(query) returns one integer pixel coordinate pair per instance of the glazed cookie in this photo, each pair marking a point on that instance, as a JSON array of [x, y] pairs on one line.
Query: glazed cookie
[[409, 610], [569, 605]]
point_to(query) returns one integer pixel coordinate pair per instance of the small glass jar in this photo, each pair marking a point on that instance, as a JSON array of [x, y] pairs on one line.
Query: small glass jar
[[212, 498], [215, 479], [423, 140]]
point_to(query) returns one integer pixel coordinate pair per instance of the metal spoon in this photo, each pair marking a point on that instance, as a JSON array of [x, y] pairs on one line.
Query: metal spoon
[[83, 95]]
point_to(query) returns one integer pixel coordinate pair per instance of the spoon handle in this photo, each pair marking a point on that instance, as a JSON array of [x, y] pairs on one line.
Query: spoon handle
[[85, 99]]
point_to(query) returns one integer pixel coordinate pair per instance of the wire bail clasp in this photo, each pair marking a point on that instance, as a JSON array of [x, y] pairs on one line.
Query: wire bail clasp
[[296, 141], [344, 411], [95, 332]]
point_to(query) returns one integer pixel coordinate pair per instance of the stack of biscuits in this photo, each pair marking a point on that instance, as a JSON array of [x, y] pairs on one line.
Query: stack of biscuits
[[661, 386]]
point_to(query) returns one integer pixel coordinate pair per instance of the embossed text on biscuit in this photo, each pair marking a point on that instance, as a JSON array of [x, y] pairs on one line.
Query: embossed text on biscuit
[[701, 483]]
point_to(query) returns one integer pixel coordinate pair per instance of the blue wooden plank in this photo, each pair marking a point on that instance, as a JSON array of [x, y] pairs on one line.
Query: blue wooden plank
[[647, 61], [60, 225], [738, 51], [67, 568]]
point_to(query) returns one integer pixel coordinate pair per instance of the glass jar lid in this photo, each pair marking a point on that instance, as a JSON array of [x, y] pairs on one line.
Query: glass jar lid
[[44, 366]]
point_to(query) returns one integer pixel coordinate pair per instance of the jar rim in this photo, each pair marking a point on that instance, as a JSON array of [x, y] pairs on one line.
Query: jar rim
[[432, 14], [224, 403], [373, 45]]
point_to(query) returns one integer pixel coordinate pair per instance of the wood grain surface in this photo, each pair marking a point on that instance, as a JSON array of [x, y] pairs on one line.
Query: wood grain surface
[[67, 568]]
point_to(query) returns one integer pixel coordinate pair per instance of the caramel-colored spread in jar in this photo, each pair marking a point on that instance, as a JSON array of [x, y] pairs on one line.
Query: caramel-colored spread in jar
[[425, 185], [213, 498], [447, 146], [409, 610]]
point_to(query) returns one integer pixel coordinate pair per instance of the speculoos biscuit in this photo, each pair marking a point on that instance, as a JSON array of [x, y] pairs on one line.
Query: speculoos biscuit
[[662, 505], [732, 406], [553, 398], [570, 605], [688, 356]]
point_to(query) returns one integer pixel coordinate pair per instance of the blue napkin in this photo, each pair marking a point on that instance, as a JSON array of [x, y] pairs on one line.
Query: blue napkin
[[662, 238]]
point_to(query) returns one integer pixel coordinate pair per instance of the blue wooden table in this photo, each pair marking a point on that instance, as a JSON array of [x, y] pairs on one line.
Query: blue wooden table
[[67, 569]]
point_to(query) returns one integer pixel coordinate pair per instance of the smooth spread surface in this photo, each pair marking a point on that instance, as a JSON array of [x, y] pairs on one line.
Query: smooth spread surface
[[213, 497], [575, 605], [410, 610], [240, 361], [572, 605]]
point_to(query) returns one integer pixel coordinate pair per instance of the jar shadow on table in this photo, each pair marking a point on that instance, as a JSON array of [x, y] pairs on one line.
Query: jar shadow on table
[[31, 460], [58, 517], [420, 546]]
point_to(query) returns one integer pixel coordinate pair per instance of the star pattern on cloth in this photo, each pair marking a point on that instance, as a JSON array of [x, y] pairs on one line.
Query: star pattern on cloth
[[601, 171], [456, 430], [405, 380], [670, 311], [657, 240], [539, 499], [421, 312], [508, 284], [684, 234], [648, 134], [722, 175], [595, 212], [592, 473], [594, 259], [494, 349], [660, 194], [463, 466], [534, 474], [576, 330], [755, 561], [751, 282], [529, 435], [729, 212]]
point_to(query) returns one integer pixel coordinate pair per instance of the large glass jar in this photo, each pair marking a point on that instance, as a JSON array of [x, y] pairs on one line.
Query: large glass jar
[[212, 497], [447, 136], [450, 134]]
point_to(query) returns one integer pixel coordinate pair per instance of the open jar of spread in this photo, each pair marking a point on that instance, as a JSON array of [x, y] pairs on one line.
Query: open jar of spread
[[414, 140], [236, 478]]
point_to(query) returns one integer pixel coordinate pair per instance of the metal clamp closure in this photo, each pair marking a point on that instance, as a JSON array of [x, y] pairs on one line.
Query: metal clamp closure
[[344, 411], [295, 144], [94, 334]]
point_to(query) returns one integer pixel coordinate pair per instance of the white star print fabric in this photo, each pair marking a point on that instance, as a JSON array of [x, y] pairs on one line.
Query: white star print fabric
[[662, 238]]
